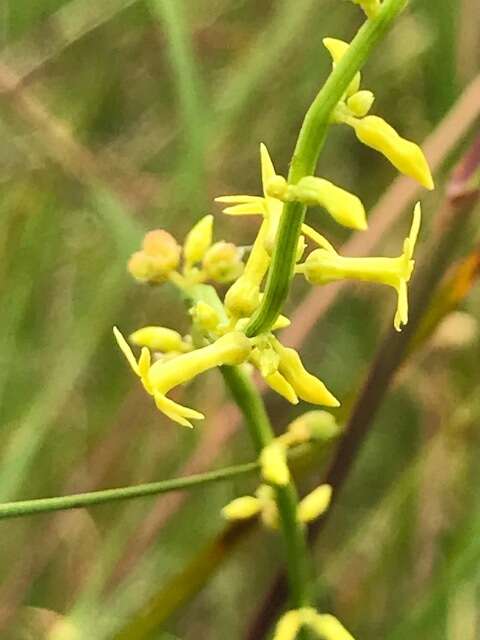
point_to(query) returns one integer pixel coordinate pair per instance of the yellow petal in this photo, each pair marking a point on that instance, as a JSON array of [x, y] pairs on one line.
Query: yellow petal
[[241, 508], [127, 352], [144, 362], [278, 383], [268, 170], [247, 209], [239, 199], [318, 238], [337, 49], [177, 412]]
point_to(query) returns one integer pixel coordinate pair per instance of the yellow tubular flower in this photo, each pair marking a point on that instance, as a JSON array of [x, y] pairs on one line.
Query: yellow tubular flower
[[159, 339], [405, 155], [305, 385], [315, 504], [159, 378], [273, 460], [242, 508], [337, 49], [198, 241], [322, 267]]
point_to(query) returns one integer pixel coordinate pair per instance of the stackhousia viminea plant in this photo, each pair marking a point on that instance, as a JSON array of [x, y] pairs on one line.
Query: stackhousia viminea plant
[[238, 333]]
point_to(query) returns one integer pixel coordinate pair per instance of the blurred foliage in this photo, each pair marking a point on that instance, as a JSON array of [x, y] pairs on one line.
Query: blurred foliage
[[154, 99]]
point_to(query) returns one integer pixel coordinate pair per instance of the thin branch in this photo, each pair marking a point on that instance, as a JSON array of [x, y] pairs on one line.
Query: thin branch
[[61, 503], [461, 199]]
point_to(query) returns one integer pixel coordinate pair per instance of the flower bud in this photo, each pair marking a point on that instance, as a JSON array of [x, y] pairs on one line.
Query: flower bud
[[273, 460], [316, 503], [205, 316], [241, 508], [243, 297], [140, 267], [406, 156], [312, 425], [360, 103], [198, 240], [222, 262], [159, 339], [344, 207], [276, 187], [371, 7]]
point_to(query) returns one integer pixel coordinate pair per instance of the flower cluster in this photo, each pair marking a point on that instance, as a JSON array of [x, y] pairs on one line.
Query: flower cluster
[[218, 334]]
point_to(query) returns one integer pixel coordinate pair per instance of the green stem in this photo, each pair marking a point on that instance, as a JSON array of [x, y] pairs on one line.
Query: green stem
[[61, 503], [251, 405], [309, 145]]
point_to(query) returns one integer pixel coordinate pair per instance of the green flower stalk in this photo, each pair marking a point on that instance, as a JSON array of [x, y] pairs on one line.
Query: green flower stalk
[[237, 332]]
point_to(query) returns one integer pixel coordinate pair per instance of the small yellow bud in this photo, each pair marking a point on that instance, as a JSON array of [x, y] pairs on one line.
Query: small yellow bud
[[198, 240], [288, 626], [281, 323], [344, 207], [276, 187], [313, 425], [223, 262], [159, 339], [242, 508], [161, 244], [361, 103], [273, 460], [140, 266], [243, 297], [316, 503], [406, 156], [337, 49], [205, 316]]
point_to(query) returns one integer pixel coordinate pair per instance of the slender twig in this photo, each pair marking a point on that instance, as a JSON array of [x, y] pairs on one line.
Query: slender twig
[[61, 503], [461, 199], [309, 144]]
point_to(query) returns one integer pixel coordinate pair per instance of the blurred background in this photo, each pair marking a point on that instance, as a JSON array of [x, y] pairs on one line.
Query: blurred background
[[125, 115]]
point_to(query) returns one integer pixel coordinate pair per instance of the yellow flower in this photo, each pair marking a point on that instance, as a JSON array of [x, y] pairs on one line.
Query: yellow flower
[[222, 262], [360, 103], [406, 156], [344, 207], [162, 376], [323, 266], [312, 425], [159, 257]]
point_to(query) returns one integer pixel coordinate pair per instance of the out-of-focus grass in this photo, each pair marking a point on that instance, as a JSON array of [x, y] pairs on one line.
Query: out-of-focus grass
[[181, 94]]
